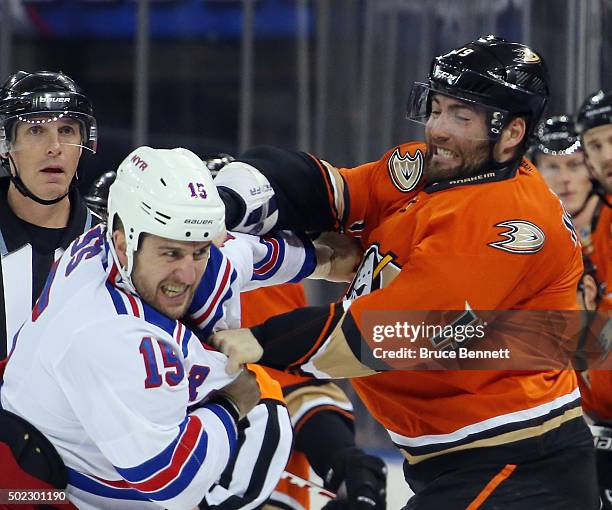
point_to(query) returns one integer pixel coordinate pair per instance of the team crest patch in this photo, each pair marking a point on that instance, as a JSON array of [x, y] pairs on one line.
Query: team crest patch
[[521, 237], [405, 171], [376, 271]]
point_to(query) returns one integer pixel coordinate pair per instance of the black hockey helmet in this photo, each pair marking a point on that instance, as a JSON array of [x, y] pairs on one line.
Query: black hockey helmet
[[595, 111], [508, 78], [555, 136], [97, 197], [25, 96], [216, 161]]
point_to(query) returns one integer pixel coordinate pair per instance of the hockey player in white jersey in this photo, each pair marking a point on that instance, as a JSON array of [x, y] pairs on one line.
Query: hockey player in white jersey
[[142, 414]]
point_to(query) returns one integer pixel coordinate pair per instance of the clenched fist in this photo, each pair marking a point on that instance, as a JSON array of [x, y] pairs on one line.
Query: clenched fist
[[338, 257], [239, 345]]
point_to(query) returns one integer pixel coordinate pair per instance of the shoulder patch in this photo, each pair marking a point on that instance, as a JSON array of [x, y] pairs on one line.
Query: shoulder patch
[[522, 237], [405, 171]]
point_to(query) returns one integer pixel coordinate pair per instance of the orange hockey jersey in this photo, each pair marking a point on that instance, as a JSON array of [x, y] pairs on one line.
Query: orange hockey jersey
[[495, 241], [600, 246], [596, 385]]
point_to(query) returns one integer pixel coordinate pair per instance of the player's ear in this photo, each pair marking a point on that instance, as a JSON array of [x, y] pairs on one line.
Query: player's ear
[[590, 292], [510, 138], [120, 246]]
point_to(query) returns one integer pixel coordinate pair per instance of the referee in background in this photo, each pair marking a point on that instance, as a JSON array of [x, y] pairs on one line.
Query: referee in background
[[45, 123]]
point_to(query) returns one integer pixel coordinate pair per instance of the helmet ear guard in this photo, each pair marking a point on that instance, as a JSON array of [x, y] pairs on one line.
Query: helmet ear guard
[[165, 192]]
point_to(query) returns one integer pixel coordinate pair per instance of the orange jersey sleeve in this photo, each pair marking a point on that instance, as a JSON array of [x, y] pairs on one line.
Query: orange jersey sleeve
[[601, 246], [362, 195]]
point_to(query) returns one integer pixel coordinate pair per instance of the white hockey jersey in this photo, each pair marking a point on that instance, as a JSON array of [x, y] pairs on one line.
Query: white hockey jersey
[[119, 389]]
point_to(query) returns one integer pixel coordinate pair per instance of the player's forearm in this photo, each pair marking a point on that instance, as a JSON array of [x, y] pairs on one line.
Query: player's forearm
[[288, 338], [322, 449], [272, 189], [320, 341], [323, 342]]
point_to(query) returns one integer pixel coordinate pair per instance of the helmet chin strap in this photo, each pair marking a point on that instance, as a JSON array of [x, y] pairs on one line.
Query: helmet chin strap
[[125, 272], [584, 203], [21, 187]]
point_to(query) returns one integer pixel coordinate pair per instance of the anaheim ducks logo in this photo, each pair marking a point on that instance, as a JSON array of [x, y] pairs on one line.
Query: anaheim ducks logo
[[405, 171], [375, 272], [527, 56], [521, 237]]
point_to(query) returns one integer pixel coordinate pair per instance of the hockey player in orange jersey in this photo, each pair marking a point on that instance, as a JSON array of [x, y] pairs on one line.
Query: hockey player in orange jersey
[[594, 124], [596, 384], [461, 221], [558, 155]]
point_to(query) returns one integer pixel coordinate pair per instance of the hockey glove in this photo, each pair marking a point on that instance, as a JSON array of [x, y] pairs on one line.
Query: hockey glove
[[359, 480]]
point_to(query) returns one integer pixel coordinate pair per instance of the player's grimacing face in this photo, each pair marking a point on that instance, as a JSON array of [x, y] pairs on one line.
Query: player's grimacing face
[[598, 148], [457, 139], [166, 273], [568, 176]]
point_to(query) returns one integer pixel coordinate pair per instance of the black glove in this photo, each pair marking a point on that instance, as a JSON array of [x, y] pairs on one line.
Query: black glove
[[602, 435], [359, 481]]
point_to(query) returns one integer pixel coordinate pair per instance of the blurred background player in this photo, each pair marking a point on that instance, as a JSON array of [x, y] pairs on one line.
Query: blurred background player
[[558, 155], [594, 125], [596, 384], [45, 123]]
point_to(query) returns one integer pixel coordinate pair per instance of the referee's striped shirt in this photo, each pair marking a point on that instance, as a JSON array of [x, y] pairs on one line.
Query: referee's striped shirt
[[27, 252]]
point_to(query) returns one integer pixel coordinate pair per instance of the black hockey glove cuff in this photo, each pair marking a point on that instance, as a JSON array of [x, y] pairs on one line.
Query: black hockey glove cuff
[[235, 207], [359, 480]]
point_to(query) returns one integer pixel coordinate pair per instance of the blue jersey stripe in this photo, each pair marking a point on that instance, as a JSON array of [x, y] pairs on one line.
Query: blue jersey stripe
[[208, 329], [185, 342], [155, 464], [208, 283], [187, 473], [87, 484], [280, 257], [116, 297], [228, 423], [310, 261], [152, 316]]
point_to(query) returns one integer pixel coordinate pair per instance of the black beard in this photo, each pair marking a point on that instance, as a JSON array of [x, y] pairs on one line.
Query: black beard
[[477, 168]]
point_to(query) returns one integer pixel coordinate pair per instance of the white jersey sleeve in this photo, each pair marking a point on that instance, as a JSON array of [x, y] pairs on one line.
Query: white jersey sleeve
[[243, 263], [263, 261]]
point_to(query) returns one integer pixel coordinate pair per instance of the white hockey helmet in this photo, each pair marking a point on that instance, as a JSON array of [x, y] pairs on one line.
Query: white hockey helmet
[[166, 192]]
